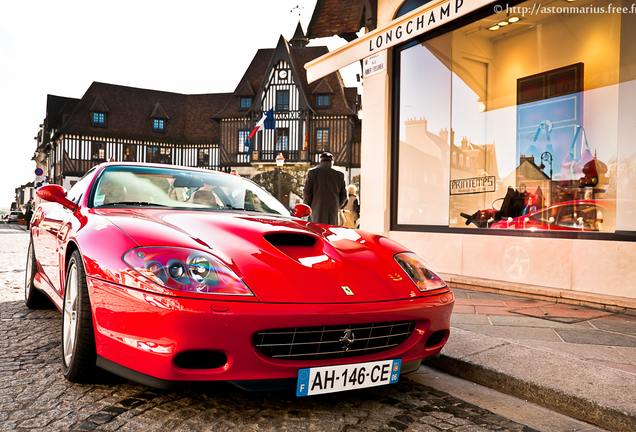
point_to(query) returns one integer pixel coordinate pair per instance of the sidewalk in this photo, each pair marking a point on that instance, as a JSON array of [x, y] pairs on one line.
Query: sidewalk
[[12, 227], [575, 360]]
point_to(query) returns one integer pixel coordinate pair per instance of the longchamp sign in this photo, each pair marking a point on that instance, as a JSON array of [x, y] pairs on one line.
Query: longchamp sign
[[415, 23]]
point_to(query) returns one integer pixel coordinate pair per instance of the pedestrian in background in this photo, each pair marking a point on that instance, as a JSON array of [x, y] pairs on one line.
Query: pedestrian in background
[[28, 213], [353, 204], [325, 191]]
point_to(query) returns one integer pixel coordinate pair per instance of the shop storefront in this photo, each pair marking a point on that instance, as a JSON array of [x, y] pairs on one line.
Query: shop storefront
[[499, 141]]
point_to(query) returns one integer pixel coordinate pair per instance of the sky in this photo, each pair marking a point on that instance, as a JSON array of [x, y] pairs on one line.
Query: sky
[[60, 47]]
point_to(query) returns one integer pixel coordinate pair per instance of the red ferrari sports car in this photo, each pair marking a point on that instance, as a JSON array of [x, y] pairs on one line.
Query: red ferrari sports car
[[168, 275], [582, 215]]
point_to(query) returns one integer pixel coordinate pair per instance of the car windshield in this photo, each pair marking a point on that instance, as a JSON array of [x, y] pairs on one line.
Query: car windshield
[[180, 188]]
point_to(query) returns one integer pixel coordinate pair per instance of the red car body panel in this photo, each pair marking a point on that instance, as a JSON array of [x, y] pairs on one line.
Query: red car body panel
[[141, 326], [536, 221], [143, 331]]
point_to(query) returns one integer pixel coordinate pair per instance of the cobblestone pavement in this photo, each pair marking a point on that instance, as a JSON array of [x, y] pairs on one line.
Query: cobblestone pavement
[[14, 243], [34, 396]]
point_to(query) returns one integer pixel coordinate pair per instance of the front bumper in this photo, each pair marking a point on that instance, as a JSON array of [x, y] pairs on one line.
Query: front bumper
[[139, 334]]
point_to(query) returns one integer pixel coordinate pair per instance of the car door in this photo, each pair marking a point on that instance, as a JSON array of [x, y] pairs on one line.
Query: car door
[[51, 232], [45, 241]]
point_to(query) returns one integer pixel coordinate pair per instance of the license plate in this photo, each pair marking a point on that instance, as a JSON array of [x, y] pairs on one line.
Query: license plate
[[330, 379]]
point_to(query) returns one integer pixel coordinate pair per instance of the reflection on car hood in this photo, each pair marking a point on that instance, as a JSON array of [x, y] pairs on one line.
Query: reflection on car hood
[[281, 260]]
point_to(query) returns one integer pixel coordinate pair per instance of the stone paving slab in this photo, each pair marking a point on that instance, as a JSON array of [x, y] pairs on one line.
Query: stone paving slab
[[521, 321], [522, 333], [592, 337], [591, 353], [590, 392], [576, 360], [612, 324]]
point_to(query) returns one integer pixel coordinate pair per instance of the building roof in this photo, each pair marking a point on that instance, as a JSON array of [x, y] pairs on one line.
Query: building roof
[[344, 99], [56, 107], [342, 18], [131, 110], [193, 119]]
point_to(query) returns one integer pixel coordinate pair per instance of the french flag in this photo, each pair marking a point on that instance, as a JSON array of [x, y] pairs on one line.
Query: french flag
[[266, 122]]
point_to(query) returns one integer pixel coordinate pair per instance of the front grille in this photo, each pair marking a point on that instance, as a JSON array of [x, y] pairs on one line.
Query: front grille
[[314, 343]]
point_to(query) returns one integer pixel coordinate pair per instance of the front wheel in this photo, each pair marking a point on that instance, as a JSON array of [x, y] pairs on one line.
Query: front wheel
[[78, 339], [33, 297]]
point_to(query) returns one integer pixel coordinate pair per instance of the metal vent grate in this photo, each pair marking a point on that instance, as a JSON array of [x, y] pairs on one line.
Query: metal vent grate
[[331, 342]]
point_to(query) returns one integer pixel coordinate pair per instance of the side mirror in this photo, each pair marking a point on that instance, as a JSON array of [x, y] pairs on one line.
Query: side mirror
[[302, 210], [55, 193]]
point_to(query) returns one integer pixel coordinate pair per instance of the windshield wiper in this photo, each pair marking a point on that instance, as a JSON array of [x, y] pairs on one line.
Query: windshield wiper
[[137, 203], [229, 207]]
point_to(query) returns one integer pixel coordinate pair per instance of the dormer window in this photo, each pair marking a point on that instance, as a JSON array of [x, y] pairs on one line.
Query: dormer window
[[98, 119], [158, 125], [98, 112], [158, 118], [323, 100], [245, 102]]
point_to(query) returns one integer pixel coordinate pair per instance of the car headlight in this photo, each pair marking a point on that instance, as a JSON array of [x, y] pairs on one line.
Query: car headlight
[[420, 273], [185, 269]]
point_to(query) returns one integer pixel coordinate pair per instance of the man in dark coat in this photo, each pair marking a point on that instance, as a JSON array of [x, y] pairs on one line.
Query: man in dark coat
[[325, 191]]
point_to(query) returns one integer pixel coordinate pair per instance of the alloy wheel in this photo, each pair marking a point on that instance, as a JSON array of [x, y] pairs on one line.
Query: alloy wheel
[[28, 279], [70, 324]]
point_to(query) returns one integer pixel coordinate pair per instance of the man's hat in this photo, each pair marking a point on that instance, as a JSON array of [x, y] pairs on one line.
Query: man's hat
[[326, 156]]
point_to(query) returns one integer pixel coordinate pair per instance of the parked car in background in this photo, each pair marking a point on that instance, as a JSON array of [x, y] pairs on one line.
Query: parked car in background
[[14, 216], [167, 274], [582, 215]]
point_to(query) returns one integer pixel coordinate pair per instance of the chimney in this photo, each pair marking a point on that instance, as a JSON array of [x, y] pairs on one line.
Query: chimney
[[443, 134], [524, 158]]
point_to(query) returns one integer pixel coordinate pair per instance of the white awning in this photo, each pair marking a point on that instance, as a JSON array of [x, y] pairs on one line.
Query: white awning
[[415, 23]]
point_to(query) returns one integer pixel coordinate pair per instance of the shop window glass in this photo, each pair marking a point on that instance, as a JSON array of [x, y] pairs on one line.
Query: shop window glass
[[542, 127], [424, 152], [203, 158], [130, 152], [282, 100], [158, 154], [322, 140], [98, 150], [410, 5], [242, 138], [282, 139]]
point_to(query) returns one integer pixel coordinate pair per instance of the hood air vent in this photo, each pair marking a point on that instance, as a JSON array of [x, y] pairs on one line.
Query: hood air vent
[[290, 239]]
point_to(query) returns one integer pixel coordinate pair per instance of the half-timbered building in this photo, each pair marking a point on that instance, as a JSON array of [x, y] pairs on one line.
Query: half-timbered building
[[112, 122], [310, 118]]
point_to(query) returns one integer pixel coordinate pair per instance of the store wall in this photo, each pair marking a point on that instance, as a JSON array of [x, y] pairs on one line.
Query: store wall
[[603, 268], [375, 160]]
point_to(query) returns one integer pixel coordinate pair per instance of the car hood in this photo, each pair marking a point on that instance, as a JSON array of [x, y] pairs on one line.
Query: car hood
[[280, 259]]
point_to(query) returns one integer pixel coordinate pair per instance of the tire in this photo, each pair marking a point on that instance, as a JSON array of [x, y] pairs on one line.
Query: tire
[[33, 297], [78, 338]]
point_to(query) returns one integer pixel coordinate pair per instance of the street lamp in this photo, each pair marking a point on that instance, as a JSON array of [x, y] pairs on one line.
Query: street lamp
[[280, 161], [547, 157]]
